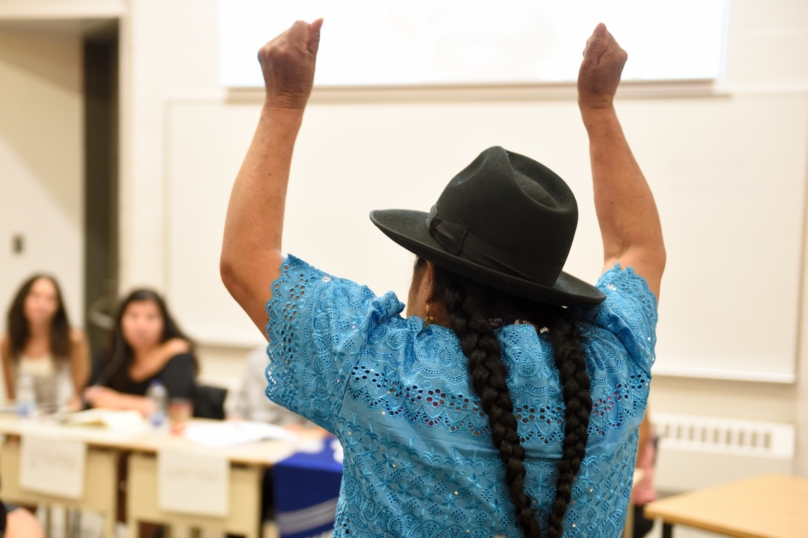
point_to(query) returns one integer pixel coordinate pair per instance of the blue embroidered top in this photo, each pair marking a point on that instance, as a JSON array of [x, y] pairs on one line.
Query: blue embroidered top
[[419, 460]]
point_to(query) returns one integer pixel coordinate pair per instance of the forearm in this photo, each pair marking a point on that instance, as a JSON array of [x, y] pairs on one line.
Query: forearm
[[10, 395], [80, 368], [8, 377], [254, 226], [625, 206]]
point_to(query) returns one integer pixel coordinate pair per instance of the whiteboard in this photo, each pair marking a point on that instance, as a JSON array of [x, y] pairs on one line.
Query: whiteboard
[[407, 42], [728, 175]]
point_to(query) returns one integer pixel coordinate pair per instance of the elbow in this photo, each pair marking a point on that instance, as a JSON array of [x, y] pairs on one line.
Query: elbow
[[663, 258], [236, 276], [660, 255], [229, 274]]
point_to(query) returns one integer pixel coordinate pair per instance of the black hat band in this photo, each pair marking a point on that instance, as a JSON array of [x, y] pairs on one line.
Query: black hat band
[[456, 239]]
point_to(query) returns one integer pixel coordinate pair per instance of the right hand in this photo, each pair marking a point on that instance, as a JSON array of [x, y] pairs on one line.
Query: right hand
[[600, 70], [175, 346], [288, 65]]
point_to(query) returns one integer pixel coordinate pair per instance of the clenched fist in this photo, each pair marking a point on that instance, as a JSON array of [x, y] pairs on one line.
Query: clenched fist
[[600, 70], [288, 65]]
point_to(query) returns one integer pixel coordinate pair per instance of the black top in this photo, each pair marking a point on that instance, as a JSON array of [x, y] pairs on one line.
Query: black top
[[177, 376]]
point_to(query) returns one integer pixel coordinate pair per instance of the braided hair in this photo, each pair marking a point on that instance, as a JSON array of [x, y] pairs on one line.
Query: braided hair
[[470, 306]]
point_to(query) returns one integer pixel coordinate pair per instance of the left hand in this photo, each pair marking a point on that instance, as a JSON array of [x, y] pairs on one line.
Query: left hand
[[288, 65], [599, 75], [157, 359]]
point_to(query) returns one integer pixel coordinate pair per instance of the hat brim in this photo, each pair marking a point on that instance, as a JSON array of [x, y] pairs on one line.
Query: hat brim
[[409, 229]]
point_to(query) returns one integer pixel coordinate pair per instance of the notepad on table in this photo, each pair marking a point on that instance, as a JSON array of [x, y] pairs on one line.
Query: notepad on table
[[235, 432], [105, 418]]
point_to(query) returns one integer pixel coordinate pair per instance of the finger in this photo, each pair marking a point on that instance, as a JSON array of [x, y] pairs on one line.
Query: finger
[[298, 35], [597, 44], [600, 30], [314, 36]]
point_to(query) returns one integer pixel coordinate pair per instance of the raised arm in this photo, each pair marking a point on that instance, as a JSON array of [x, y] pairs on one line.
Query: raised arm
[[251, 258], [627, 213]]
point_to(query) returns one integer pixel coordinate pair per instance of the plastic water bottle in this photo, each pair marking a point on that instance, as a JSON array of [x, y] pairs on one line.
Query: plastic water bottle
[[26, 397], [158, 397]]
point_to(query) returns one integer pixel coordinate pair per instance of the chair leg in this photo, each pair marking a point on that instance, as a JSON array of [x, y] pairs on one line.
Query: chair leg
[[667, 530]]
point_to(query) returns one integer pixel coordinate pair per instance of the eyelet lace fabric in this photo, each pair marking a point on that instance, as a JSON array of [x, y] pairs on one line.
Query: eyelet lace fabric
[[419, 460]]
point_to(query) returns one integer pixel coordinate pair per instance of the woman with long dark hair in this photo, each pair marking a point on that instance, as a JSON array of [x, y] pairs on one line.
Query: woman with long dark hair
[[509, 401], [40, 343], [146, 344]]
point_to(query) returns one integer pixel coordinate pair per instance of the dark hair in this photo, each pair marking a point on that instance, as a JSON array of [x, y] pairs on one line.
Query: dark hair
[[118, 354], [470, 306], [19, 331]]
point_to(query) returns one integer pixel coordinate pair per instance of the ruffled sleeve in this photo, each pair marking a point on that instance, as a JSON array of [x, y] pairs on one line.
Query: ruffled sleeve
[[318, 326], [629, 312]]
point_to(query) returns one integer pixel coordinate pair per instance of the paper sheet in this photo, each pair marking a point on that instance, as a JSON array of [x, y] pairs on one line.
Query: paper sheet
[[193, 483], [235, 432], [52, 466], [114, 420]]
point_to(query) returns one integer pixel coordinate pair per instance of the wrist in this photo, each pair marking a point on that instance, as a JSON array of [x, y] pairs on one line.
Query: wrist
[[596, 108], [593, 116], [282, 114]]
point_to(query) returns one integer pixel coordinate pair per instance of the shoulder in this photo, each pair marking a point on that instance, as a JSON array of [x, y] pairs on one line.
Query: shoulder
[[5, 345], [624, 287], [180, 360]]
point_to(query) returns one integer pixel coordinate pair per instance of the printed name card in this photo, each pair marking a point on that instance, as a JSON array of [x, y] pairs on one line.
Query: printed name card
[[52, 466], [193, 483]]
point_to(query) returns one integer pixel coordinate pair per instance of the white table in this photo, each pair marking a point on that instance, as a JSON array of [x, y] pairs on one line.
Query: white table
[[105, 448], [247, 465]]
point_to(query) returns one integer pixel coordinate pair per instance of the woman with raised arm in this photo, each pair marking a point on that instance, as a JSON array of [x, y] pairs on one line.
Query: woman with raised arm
[[509, 401]]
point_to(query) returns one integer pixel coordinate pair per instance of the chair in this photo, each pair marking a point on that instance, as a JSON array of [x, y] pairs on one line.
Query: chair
[[209, 402]]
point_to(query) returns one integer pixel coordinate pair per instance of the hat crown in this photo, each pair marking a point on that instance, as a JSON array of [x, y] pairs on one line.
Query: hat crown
[[518, 207]]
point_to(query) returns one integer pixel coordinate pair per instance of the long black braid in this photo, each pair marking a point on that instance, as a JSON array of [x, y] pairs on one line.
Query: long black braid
[[469, 306]]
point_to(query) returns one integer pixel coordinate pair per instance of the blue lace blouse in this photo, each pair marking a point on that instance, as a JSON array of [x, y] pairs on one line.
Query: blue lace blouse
[[419, 460]]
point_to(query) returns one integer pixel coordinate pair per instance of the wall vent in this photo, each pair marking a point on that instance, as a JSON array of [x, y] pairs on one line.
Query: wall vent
[[696, 451]]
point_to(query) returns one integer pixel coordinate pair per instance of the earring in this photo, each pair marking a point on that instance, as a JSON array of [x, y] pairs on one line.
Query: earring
[[428, 319]]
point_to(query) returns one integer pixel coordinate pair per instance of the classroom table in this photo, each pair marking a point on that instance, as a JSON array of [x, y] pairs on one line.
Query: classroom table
[[104, 449], [101, 468], [764, 506], [247, 465]]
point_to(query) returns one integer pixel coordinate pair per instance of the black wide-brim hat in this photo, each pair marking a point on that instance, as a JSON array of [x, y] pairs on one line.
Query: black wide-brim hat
[[505, 221]]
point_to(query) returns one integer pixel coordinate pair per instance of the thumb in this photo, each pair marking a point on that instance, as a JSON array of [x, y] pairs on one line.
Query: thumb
[[314, 36], [600, 30], [597, 42]]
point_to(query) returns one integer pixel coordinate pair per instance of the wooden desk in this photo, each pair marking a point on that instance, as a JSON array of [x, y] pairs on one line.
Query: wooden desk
[[247, 465], [104, 451], [100, 478], [101, 472], [765, 506]]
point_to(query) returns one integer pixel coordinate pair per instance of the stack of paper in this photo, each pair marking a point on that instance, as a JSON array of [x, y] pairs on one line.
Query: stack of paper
[[105, 418], [235, 432]]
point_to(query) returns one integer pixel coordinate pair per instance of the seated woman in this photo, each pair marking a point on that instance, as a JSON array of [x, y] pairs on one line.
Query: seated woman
[[146, 345], [41, 344], [251, 402]]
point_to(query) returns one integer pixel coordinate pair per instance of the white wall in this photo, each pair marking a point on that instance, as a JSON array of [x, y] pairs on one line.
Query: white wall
[[41, 161], [170, 54]]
